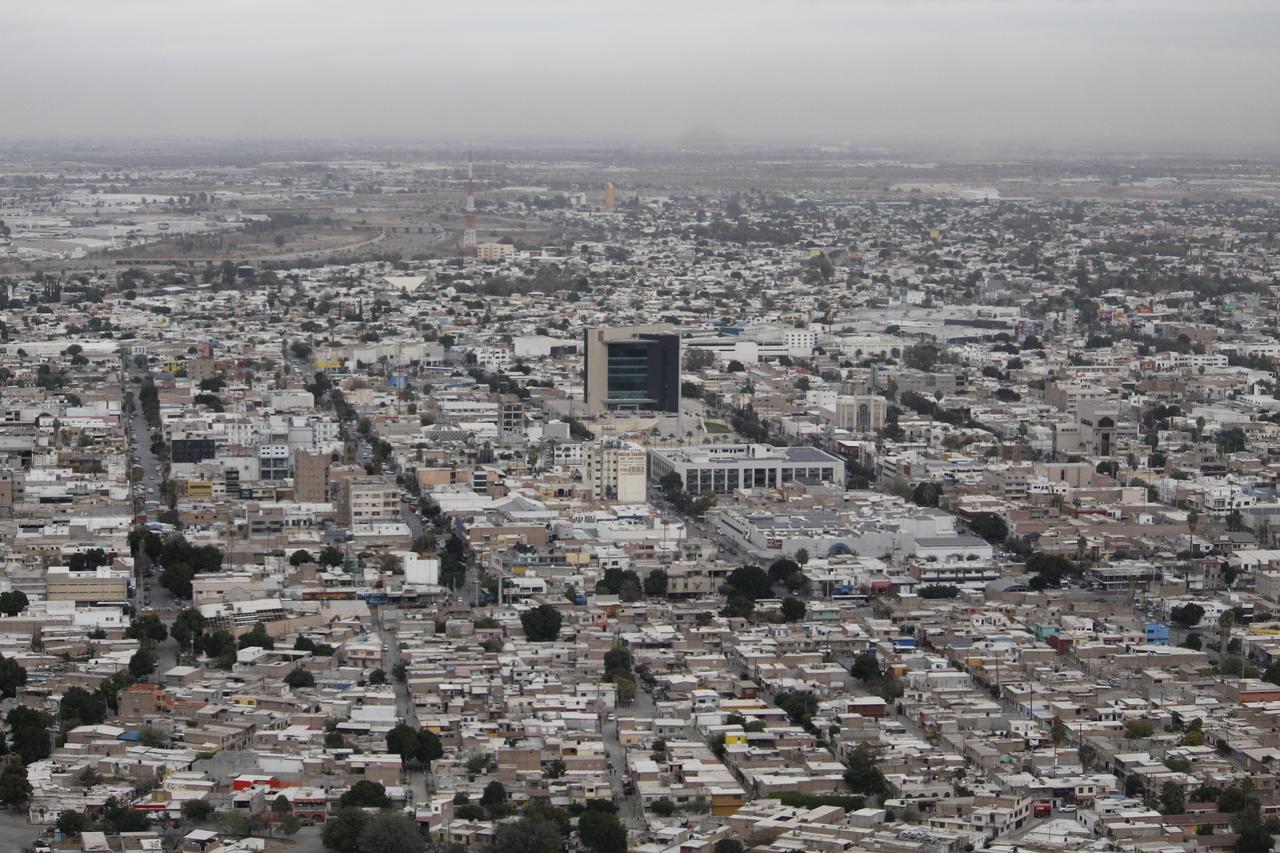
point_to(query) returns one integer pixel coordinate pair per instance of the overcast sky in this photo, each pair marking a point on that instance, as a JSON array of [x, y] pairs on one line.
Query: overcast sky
[[1170, 74]]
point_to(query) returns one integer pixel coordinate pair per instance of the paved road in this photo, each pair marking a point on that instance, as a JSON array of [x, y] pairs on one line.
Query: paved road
[[293, 256], [629, 809], [15, 832]]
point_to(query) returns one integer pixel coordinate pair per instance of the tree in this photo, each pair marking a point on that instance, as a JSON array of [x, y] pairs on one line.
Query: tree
[[196, 809], [220, 646], [79, 707], [142, 663], [188, 627], [655, 583], [728, 845], [672, 488], [800, 705], [297, 558], [331, 556], [863, 776], [989, 526], [1192, 642], [470, 811], [1231, 800], [117, 818], [541, 624], [257, 637], [342, 832], [530, 834], [1136, 729], [289, 824], [1187, 615], [555, 769], [280, 805], [1173, 799], [602, 832], [782, 569], [926, 494], [865, 668], [366, 794], [147, 629], [12, 676], [71, 823], [378, 676], [1253, 836], [934, 591], [390, 832], [494, 793], [27, 736], [793, 610], [920, 357], [300, 677], [403, 741], [1087, 754], [1059, 734], [14, 602], [750, 581], [626, 689], [429, 747], [1193, 520], [15, 790]]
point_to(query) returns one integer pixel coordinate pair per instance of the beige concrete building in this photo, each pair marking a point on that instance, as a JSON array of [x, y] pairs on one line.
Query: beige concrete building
[[369, 499], [100, 585], [311, 474], [632, 367], [616, 470]]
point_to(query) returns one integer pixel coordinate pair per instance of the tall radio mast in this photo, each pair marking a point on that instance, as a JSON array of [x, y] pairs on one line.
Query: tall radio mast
[[469, 232]]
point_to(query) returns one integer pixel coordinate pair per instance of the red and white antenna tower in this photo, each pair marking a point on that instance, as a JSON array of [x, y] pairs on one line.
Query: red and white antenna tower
[[469, 232]]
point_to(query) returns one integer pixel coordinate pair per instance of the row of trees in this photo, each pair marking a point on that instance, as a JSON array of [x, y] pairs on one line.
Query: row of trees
[[881, 681], [544, 829]]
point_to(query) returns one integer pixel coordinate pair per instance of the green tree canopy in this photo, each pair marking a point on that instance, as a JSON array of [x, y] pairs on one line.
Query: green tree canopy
[[793, 610], [530, 834], [989, 526], [299, 677], [258, 637], [366, 794], [751, 581], [541, 624], [602, 832]]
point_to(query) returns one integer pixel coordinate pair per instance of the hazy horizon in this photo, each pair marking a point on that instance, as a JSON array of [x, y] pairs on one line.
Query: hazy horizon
[[1054, 75]]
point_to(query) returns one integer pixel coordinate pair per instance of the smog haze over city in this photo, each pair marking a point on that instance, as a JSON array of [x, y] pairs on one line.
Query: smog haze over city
[[618, 427], [1056, 74]]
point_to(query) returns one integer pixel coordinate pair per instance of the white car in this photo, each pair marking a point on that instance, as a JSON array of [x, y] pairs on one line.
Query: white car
[[1067, 809]]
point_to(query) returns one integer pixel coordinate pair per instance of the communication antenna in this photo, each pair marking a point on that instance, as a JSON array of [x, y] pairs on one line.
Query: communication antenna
[[469, 232]]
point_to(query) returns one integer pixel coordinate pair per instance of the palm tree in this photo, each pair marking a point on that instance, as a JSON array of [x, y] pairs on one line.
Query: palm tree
[[1226, 622]]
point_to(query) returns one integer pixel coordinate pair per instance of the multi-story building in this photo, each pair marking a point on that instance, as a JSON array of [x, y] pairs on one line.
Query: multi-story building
[[12, 490], [510, 418], [634, 367], [494, 251], [723, 468], [100, 585], [860, 413], [616, 470], [368, 499], [311, 474]]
